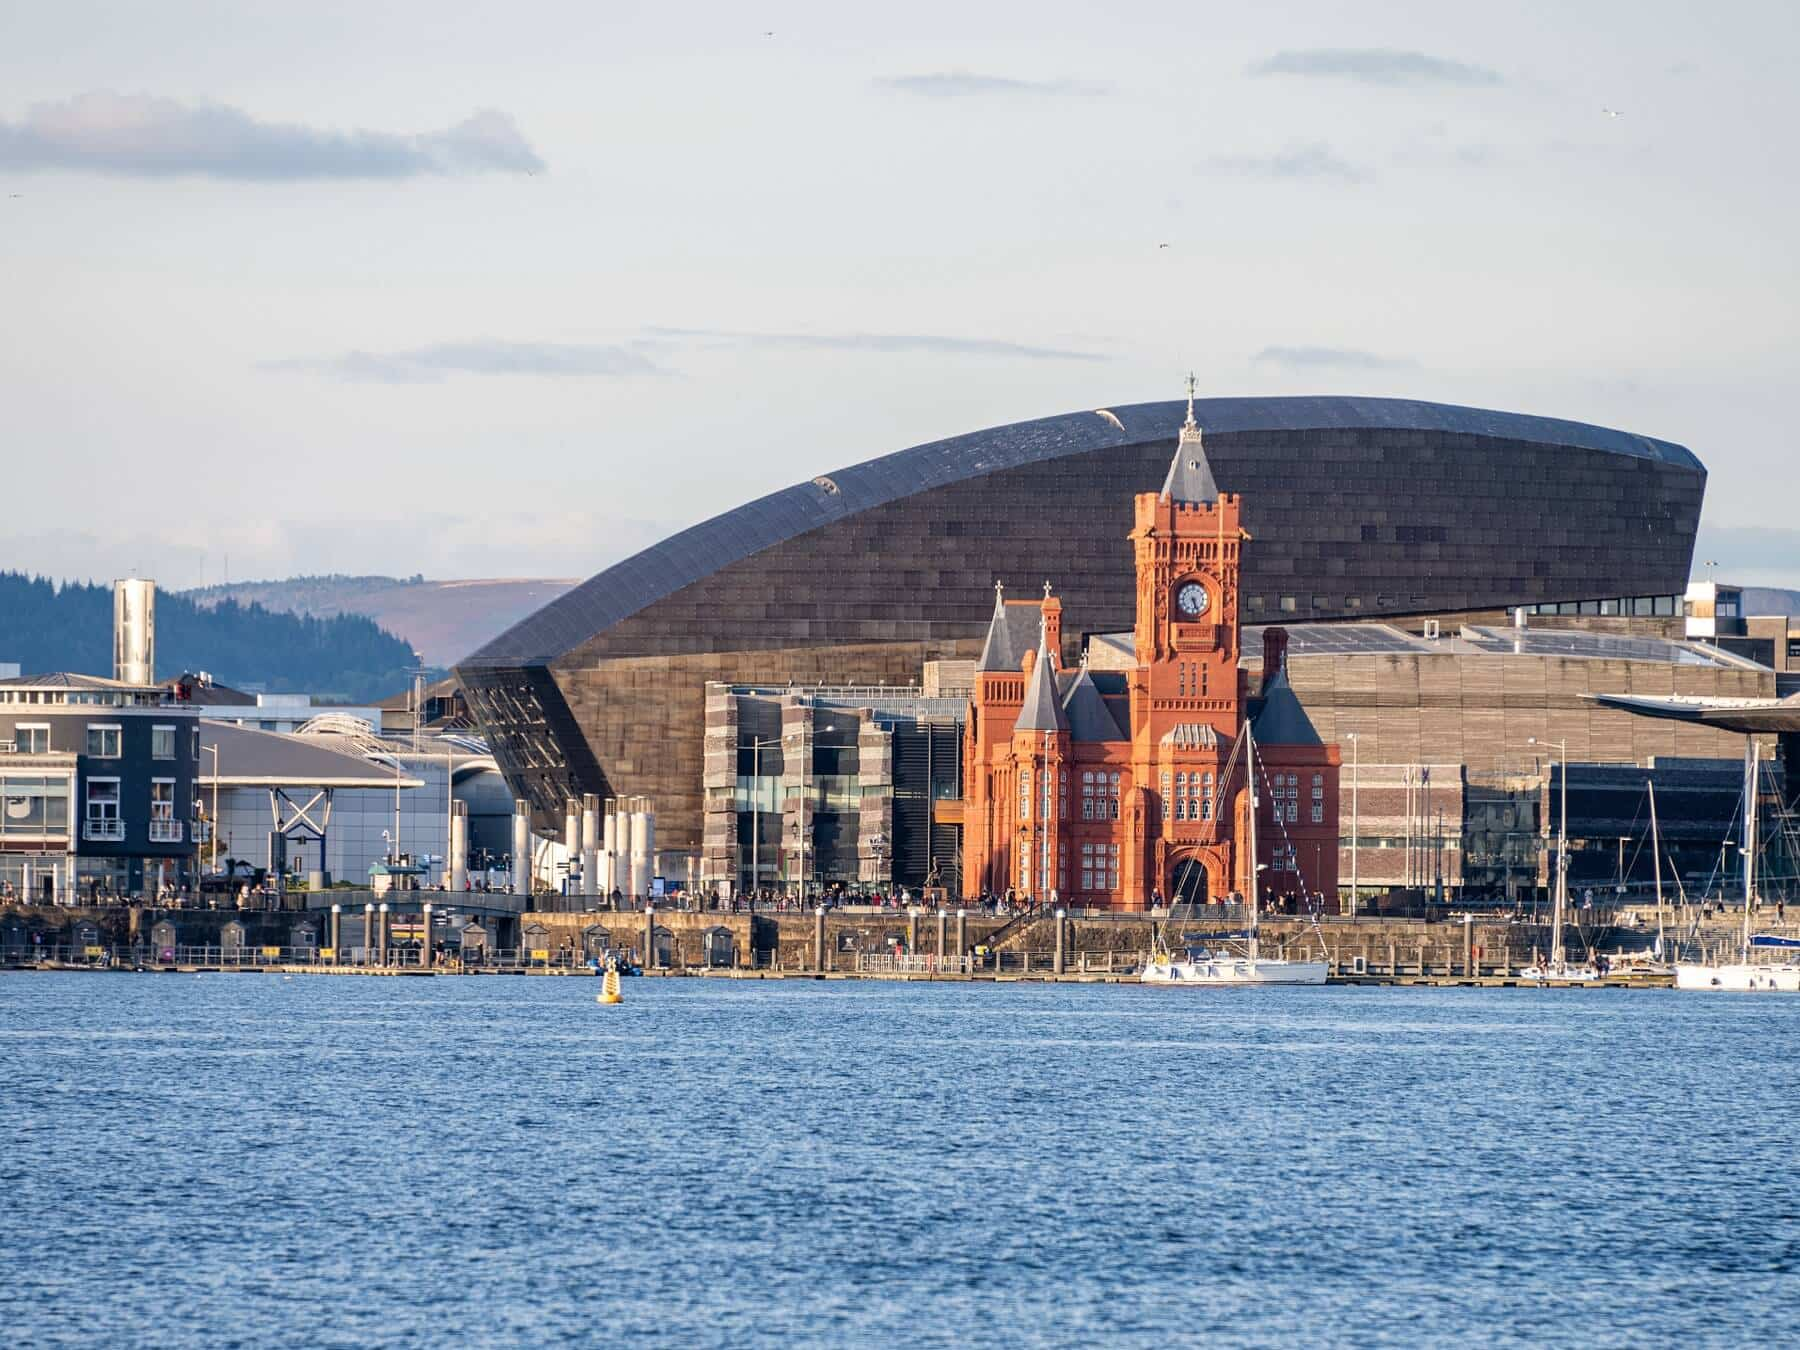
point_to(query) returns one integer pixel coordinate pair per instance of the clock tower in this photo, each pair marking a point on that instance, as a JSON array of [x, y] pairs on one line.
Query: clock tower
[[1187, 542], [1187, 700]]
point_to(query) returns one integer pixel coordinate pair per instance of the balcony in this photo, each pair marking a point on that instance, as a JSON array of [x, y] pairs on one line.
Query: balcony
[[165, 831], [103, 831]]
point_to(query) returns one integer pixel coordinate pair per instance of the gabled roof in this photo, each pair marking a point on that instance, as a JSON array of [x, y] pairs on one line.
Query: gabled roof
[[1043, 710], [1088, 716], [1281, 720], [1012, 632]]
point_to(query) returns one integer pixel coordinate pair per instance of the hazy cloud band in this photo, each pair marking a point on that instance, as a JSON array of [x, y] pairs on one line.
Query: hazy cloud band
[[140, 135], [1375, 65], [966, 84]]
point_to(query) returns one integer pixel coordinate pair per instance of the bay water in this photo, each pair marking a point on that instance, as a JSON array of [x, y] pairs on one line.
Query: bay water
[[266, 1161]]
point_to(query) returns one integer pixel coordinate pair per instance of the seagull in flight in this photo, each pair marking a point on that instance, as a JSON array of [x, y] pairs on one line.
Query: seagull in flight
[[1162, 245], [1611, 112], [1110, 416]]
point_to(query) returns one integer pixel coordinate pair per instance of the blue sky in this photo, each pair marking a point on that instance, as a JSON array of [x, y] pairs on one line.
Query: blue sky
[[515, 290]]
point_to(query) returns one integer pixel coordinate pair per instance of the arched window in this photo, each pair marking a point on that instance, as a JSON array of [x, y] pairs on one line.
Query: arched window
[[1206, 797], [1113, 797], [1181, 805], [1024, 794]]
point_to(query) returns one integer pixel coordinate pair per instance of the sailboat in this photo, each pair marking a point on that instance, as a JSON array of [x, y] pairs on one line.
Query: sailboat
[[1559, 968], [1741, 976], [1204, 967]]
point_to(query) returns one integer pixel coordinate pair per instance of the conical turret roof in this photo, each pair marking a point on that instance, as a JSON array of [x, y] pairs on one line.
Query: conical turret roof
[[1043, 710]]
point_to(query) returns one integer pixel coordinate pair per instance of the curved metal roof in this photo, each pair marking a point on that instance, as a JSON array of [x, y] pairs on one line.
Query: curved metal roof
[[700, 550]]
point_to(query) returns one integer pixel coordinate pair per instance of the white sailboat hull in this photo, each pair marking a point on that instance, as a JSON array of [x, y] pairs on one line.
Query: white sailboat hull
[[1739, 978], [1572, 974], [1234, 970]]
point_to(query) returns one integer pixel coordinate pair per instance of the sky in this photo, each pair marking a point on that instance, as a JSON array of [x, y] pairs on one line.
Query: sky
[[481, 290]]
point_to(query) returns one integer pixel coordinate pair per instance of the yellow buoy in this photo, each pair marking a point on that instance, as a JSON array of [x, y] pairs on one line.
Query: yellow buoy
[[609, 987]]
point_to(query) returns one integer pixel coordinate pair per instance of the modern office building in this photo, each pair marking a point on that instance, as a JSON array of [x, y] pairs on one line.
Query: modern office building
[[96, 788], [829, 787], [1358, 508]]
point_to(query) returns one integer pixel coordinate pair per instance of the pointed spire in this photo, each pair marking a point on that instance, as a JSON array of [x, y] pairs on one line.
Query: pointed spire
[[1190, 477], [997, 652], [1043, 709]]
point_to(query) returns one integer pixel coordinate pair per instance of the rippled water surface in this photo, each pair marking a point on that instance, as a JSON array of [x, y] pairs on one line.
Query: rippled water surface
[[263, 1161]]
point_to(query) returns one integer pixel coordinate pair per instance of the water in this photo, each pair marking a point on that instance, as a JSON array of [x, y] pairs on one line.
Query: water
[[245, 1159]]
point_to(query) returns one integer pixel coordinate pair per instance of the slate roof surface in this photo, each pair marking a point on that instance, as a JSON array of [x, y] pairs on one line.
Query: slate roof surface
[[1012, 632], [1281, 720], [1088, 716]]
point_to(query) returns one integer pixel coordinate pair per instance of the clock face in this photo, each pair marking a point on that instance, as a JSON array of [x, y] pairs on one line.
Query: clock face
[[1192, 600]]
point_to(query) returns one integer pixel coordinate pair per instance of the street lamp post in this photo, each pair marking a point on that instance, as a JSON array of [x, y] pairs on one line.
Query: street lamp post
[[1355, 831], [213, 750], [1562, 853], [756, 749], [757, 745]]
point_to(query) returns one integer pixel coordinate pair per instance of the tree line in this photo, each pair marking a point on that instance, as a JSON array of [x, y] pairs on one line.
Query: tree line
[[47, 627]]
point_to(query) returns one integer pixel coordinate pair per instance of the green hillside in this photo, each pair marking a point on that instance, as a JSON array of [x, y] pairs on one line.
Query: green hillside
[[46, 627]]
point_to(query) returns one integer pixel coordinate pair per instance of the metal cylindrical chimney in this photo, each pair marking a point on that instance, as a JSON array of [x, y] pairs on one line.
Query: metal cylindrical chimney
[[640, 855], [590, 843], [459, 846], [521, 848], [134, 631]]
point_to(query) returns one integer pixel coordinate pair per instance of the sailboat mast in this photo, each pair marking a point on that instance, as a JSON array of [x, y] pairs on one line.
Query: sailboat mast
[[1752, 771], [1255, 911], [1562, 872], [1656, 860]]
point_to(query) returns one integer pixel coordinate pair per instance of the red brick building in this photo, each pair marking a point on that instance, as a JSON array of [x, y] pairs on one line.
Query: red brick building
[[1117, 789]]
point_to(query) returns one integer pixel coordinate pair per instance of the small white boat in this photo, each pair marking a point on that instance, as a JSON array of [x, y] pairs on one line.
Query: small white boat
[[1203, 967], [1207, 968], [1547, 971], [1739, 977], [1744, 976]]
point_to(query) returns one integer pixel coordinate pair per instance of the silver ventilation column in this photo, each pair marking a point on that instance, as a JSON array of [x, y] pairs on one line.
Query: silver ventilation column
[[521, 848], [134, 631]]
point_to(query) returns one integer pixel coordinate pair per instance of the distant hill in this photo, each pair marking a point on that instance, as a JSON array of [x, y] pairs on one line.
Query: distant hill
[[1770, 600], [443, 620], [46, 628]]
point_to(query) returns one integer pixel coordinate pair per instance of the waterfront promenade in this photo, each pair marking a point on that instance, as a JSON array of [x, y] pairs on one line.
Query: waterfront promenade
[[890, 945]]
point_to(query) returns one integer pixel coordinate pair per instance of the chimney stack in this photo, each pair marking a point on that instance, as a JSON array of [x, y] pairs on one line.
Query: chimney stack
[[134, 631], [1275, 645]]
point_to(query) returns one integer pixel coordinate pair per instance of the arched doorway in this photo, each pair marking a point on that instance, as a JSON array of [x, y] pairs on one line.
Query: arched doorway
[[1188, 884]]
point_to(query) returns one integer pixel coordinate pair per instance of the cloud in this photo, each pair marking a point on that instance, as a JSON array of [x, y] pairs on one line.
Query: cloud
[[889, 343], [1375, 65], [480, 356], [1327, 358], [142, 136], [965, 84], [1316, 161]]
